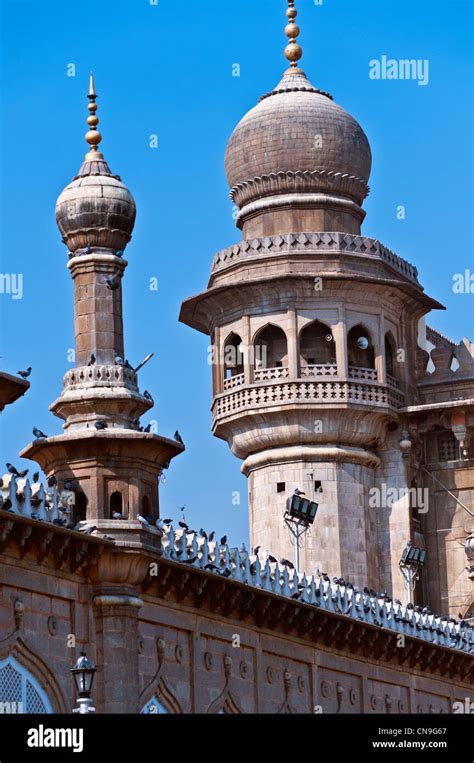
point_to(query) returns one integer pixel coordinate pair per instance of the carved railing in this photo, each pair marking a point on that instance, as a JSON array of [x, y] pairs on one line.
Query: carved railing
[[393, 382], [321, 369], [99, 375], [369, 374], [268, 374], [300, 392], [32, 500], [195, 550], [234, 381]]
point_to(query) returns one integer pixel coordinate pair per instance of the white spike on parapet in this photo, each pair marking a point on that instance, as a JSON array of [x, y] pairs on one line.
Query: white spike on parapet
[[34, 501], [236, 564]]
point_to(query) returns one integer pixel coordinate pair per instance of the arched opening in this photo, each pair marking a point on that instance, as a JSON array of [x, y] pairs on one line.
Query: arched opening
[[115, 503], [146, 508], [390, 354], [154, 707], [233, 356], [360, 349], [271, 348], [317, 346], [80, 509], [20, 692]]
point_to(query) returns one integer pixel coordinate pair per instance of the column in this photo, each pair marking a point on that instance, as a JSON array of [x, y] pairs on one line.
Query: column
[[340, 337], [293, 345], [248, 350], [380, 360]]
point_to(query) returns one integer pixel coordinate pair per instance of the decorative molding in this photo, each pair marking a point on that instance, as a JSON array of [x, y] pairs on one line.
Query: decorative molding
[[277, 183]]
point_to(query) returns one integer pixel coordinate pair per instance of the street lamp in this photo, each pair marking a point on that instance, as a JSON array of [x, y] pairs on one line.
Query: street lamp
[[299, 516], [83, 674], [412, 561]]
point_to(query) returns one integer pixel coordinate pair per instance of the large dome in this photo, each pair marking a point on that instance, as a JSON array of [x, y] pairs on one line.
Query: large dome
[[297, 139]]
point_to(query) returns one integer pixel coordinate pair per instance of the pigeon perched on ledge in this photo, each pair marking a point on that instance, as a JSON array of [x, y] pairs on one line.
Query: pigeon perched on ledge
[[13, 470], [39, 434], [25, 374]]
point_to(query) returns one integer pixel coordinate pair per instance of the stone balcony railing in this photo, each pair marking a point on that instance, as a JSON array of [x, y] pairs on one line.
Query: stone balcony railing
[[213, 558], [322, 369], [307, 372], [269, 374], [234, 381], [99, 375], [304, 393]]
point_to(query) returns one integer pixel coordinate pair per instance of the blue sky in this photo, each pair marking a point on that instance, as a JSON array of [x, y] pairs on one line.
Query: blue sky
[[166, 69]]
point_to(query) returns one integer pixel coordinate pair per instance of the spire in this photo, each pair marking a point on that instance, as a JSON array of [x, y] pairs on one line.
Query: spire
[[93, 137], [293, 51]]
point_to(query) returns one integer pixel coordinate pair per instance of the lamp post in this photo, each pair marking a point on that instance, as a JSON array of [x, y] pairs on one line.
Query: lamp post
[[299, 516], [83, 674], [411, 563]]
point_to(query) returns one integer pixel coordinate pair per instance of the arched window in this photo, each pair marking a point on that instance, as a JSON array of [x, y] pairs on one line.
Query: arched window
[[20, 692], [233, 356], [154, 707], [146, 510], [360, 349], [80, 509], [317, 346], [390, 351], [115, 503], [271, 348]]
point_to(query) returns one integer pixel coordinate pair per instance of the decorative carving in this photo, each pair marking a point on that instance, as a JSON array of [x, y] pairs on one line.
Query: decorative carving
[[53, 626], [244, 669], [208, 661], [18, 613]]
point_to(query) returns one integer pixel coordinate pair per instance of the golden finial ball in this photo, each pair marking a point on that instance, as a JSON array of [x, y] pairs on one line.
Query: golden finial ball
[[93, 137], [92, 107], [293, 52], [93, 121], [291, 13], [292, 30]]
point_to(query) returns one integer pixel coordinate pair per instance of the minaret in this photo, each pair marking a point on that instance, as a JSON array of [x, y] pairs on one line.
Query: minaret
[[113, 466], [313, 328]]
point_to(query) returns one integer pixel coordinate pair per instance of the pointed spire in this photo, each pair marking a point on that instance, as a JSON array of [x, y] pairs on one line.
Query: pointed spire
[[93, 137], [293, 51]]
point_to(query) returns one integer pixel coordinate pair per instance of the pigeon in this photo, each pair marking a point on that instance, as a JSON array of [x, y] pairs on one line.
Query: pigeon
[[69, 485], [184, 526], [299, 492], [119, 253], [25, 374], [256, 550], [129, 365], [15, 471], [203, 533], [272, 559], [52, 481], [119, 361], [287, 563], [226, 573], [143, 520], [211, 536], [223, 540], [147, 396], [117, 515], [91, 360], [36, 477], [114, 282], [88, 530], [39, 434], [88, 249], [210, 566], [296, 595], [99, 425], [167, 521], [190, 561], [147, 429], [178, 437]]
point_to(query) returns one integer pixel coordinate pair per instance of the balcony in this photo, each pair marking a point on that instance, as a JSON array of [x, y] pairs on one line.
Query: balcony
[[361, 392]]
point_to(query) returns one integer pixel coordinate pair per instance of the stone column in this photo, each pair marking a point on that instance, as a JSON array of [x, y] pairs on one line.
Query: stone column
[[98, 321], [340, 337], [248, 353], [293, 345], [116, 629], [215, 350], [380, 360]]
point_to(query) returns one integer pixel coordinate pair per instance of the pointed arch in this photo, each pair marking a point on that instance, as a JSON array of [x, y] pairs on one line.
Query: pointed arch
[[317, 346], [270, 345], [233, 357], [40, 677], [160, 701], [358, 355]]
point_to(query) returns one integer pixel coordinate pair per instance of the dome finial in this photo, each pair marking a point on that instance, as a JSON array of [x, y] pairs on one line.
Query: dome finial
[[93, 137], [293, 51]]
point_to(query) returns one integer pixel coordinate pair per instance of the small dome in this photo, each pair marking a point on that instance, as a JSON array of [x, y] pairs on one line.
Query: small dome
[[297, 140], [96, 209]]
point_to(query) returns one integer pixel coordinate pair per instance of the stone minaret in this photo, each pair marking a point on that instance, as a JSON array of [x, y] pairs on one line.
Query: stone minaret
[[113, 466], [314, 330]]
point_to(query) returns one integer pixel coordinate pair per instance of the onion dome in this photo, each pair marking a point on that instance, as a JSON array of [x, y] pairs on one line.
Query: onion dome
[[297, 142], [96, 210]]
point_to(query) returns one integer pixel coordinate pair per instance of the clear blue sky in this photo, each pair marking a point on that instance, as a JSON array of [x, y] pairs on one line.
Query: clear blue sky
[[167, 69]]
